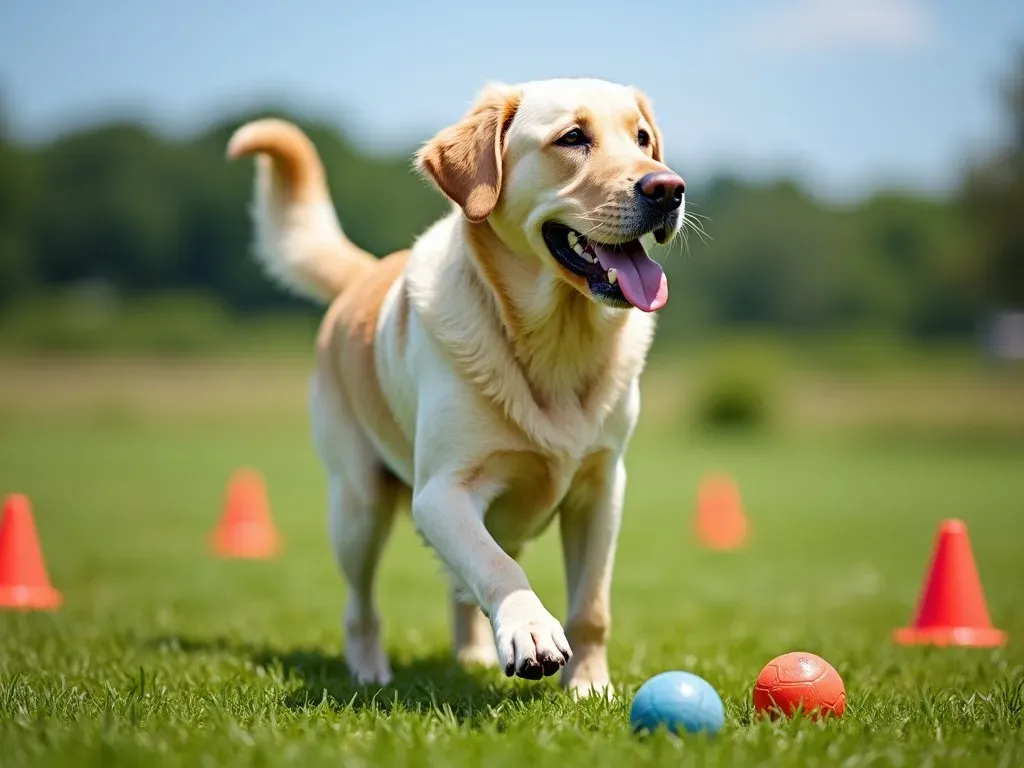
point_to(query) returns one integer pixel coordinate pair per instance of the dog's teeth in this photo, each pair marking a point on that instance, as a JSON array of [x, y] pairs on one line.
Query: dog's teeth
[[613, 276], [578, 248], [586, 255], [573, 239]]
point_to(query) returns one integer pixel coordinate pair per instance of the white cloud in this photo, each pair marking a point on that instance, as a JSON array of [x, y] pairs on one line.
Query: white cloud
[[816, 25]]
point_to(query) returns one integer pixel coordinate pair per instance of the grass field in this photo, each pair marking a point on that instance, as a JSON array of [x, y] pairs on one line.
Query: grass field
[[163, 655]]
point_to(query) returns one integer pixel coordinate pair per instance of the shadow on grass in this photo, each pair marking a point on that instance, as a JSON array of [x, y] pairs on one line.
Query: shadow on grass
[[433, 683]]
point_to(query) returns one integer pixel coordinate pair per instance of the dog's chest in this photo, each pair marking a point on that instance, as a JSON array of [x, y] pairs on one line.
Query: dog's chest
[[534, 486]]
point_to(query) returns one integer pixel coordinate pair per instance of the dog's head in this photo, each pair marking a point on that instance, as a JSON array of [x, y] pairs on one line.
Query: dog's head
[[570, 171]]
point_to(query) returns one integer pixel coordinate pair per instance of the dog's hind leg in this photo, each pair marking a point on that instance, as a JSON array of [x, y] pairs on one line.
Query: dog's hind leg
[[361, 509], [474, 638], [359, 527]]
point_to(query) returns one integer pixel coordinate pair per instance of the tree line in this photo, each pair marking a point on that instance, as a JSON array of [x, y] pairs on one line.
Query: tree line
[[145, 214]]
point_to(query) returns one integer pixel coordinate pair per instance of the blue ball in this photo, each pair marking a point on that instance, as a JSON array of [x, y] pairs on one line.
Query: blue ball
[[678, 701]]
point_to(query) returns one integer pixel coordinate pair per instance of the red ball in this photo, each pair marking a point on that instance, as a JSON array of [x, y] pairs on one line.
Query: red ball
[[797, 678]]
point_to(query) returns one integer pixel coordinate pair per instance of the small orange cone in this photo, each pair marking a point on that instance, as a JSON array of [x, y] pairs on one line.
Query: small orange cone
[[24, 583], [245, 528], [720, 522], [952, 609]]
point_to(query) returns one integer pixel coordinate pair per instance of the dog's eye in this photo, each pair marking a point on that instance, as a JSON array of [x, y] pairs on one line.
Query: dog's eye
[[643, 138], [574, 138]]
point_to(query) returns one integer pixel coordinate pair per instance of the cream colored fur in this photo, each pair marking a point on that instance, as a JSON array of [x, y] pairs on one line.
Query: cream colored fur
[[479, 376]]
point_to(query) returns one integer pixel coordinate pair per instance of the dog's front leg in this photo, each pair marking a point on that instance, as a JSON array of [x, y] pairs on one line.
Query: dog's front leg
[[529, 640], [589, 519]]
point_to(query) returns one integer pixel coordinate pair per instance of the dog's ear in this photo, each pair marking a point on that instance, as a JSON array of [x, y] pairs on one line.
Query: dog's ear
[[657, 144], [465, 160]]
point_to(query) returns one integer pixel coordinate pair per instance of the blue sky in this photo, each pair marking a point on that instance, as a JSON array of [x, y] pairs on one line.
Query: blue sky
[[847, 94]]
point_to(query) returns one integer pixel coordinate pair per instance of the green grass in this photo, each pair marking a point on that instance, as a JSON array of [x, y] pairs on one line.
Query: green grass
[[163, 655]]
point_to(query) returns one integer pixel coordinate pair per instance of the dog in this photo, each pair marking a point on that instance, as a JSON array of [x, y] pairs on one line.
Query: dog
[[489, 375]]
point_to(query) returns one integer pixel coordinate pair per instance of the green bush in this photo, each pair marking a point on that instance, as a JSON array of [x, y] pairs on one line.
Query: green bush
[[93, 318], [737, 389]]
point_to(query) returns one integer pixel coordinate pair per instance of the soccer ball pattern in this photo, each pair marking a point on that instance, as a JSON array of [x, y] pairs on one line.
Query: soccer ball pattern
[[796, 680]]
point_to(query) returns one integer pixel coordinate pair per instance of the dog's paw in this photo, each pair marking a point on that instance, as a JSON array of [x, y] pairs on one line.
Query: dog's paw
[[368, 665], [587, 675], [584, 688], [365, 657], [530, 641], [478, 655]]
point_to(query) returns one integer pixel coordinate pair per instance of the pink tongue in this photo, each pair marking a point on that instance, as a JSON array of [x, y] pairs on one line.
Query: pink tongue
[[641, 278]]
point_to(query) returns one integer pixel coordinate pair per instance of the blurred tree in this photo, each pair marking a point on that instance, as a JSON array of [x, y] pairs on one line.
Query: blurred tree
[[106, 210], [143, 214], [16, 269], [993, 195]]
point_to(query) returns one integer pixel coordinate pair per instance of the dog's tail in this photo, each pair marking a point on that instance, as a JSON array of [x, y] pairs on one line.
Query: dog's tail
[[299, 241]]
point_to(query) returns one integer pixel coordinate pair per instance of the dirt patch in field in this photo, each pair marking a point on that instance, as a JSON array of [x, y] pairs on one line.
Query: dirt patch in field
[[158, 389]]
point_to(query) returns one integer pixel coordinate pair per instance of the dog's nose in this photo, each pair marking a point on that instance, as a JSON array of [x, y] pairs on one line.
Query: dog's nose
[[662, 189]]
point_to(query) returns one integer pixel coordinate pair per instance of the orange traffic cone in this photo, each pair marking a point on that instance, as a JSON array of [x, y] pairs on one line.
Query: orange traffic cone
[[952, 609], [245, 528], [720, 522], [24, 582]]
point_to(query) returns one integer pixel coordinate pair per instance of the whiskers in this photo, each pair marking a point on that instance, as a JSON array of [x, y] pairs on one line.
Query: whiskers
[[594, 217], [609, 216], [693, 222]]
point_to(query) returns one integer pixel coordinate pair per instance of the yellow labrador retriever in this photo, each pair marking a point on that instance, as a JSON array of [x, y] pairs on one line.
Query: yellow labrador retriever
[[491, 371]]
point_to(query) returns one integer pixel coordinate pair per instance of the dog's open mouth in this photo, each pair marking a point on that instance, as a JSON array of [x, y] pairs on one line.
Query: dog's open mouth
[[621, 274]]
